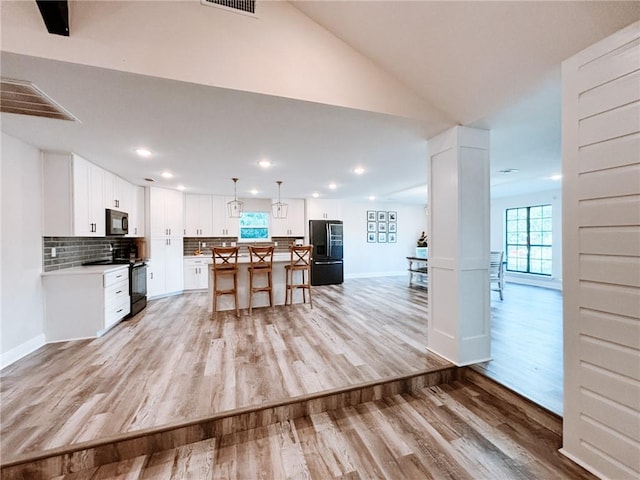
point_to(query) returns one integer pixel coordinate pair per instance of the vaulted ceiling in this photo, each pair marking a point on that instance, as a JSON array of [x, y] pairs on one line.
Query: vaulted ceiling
[[493, 65]]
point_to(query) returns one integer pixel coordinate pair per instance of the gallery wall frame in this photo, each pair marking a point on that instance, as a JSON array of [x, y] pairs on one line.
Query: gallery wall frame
[[382, 226]]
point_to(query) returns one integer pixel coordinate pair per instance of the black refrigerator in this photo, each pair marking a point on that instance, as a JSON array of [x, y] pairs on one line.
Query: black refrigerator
[[326, 259]]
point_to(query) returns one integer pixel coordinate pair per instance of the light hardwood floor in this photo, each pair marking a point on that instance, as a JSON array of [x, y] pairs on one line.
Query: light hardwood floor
[[526, 344], [174, 363], [453, 431]]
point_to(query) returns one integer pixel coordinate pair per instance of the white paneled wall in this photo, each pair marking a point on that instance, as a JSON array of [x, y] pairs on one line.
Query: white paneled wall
[[601, 166]]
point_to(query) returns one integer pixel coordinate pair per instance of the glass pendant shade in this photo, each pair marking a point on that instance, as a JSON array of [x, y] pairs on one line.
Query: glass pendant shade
[[235, 207], [279, 209]]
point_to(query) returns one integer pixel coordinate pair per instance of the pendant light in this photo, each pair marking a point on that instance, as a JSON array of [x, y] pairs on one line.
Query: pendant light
[[279, 209], [235, 207]]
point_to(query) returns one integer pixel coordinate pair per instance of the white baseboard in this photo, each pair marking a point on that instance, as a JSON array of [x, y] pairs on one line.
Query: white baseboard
[[16, 353], [534, 281], [376, 274]]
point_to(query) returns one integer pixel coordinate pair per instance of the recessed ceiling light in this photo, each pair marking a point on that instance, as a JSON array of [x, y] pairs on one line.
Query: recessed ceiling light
[[254, 191], [167, 174], [372, 198], [181, 187], [556, 177], [333, 186], [143, 152], [315, 194], [507, 171], [264, 163], [358, 170]]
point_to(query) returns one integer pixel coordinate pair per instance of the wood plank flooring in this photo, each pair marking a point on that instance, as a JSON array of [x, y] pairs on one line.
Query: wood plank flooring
[[453, 431], [173, 363], [526, 344]]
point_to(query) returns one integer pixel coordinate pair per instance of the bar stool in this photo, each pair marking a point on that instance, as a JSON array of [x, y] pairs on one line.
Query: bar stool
[[300, 262], [261, 259], [225, 262]]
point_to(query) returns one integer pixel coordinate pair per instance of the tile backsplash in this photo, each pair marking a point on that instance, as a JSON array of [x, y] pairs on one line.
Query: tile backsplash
[[191, 244], [73, 251]]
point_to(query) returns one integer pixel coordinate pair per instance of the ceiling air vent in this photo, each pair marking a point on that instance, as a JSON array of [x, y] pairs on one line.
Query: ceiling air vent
[[24, 98], [246, 7]]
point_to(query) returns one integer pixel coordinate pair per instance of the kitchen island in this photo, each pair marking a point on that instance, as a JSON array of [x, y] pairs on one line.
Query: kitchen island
[[225, 302]]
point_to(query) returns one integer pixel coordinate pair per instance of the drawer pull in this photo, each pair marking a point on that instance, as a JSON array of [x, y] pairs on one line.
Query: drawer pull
[[119, 291], [118, 276], [119, 310]]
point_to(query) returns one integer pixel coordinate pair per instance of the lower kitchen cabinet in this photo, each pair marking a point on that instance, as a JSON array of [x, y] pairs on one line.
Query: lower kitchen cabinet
[[84, 302], [196, 273], [165, 275]]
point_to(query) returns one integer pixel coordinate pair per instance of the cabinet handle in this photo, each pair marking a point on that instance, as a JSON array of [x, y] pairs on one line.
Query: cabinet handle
[[151, 275], [119, 310], [119, 291], [135, 230], [118, 276], [169, 231]]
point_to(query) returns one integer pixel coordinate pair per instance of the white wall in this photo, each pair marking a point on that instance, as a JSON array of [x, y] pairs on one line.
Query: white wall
[[363, 259], [498, 236], [22, 314]]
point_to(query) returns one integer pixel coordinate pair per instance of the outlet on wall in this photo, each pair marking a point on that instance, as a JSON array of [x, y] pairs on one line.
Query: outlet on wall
[[54, 253], [204, 244]]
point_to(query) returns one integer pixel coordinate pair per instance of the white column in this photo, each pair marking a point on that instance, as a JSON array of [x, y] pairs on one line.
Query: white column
[[459, 301]]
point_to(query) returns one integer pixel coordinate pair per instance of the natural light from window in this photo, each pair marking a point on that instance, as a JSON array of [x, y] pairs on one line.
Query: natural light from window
[[529, 240], [254, 226]]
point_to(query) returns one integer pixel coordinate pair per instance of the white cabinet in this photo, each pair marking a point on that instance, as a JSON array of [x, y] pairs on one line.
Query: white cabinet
[[165, 213], [84, 302], [73, 196], [198, 215], [118, 193], [196, 273], [293, 225], [223, 226], [136, 212], [166, 268], [324, 209]]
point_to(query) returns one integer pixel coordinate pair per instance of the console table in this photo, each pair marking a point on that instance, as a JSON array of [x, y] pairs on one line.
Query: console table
[[418, 269]]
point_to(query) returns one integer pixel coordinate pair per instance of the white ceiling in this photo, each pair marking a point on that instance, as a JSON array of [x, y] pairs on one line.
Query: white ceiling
[[492, 65]]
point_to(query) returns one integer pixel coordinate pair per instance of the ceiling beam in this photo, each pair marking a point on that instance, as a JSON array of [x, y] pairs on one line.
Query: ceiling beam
[[55, 14]]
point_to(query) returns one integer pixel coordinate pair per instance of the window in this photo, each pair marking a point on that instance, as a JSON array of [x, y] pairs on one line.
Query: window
[[254, 226], [529, 239]]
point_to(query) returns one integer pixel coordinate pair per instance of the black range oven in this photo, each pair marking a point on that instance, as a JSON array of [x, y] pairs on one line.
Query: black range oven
[[137, 286]]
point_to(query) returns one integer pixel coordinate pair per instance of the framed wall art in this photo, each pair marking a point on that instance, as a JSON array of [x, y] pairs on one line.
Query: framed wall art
[[371, 216], [382, 237], [371, 237], [371, 226]]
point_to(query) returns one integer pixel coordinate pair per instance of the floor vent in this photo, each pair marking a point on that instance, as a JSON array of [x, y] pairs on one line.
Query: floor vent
[[246, 7], [24, 98]]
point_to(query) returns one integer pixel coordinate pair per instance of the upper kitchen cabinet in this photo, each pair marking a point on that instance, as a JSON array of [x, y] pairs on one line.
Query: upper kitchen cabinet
[[118, 193], [198, 215], [136, 212], [73, 196], [165, 212], [293, 225], [223, 226], [324, 209]]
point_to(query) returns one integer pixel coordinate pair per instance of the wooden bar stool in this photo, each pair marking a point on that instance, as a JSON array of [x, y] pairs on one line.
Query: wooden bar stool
[[300, 262], [261, 259], [225, 262]]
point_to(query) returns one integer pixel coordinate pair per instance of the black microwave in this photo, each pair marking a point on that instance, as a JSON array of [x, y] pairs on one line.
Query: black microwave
[[117, 223]]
